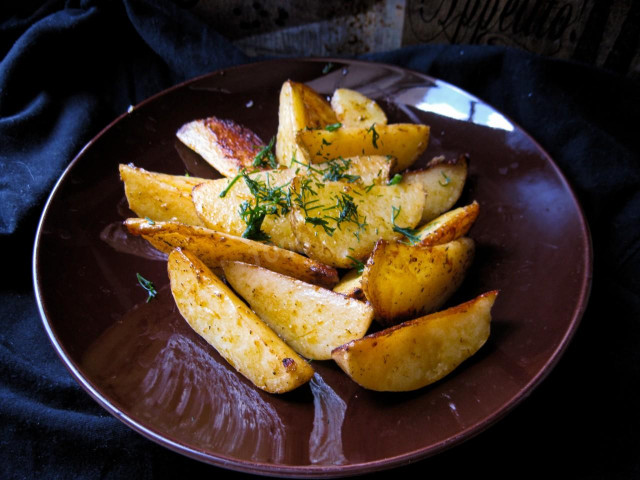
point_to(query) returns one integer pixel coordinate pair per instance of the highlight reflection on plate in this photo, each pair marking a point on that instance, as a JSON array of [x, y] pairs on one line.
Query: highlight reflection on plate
[[144, 364]]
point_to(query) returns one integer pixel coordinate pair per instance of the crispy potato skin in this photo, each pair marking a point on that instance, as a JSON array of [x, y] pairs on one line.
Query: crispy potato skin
[[159, 196], [214, 248], [403, 281], [449, 226], [300, 107], [351, 239], [354, 109], [350, 285], [419, 352], [225, 322], [403, 141], [311, 319], [226, 145], [443, 181]]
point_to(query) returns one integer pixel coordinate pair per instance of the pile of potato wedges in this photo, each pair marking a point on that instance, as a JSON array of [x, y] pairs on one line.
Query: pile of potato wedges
[[310, 238]]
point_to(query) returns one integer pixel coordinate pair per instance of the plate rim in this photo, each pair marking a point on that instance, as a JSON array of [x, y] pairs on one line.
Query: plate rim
[[320, 471]]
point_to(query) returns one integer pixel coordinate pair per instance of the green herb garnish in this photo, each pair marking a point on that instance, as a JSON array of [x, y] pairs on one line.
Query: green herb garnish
[[233, 180], [148, 286], [336, 169], [320, 222], [266, 155], [357, 264], [409, 233], [397, 178], [149, 221], [333, 127], [327, 68], [253, 216], [374, 135], [447, 180]]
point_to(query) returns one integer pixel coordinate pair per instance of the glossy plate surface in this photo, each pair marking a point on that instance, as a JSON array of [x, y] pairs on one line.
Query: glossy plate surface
[[143, 363]]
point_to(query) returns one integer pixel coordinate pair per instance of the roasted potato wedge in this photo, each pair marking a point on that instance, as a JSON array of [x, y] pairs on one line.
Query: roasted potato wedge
[[221, 213], [300, 107], [419, 352], [449, 226], [403, 281], [312, 320], [226, 323], [226, 145], [340, 220], [443, 181], [214, 248], [350, 285], [361, 170], [354, 109], [159, 196], [403, 141]]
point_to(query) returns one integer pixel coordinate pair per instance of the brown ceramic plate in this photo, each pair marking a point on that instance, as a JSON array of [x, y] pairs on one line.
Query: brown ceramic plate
[[143, 364]]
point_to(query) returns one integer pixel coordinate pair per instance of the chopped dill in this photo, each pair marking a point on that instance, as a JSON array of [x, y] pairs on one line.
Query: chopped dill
[[253, 216], [321, 222], [333, 127], [148, 286], [231, 183], [374, 135], [397, 178], [447, 180], [266, 155], [336, 169], [409, 233], [357, 264]]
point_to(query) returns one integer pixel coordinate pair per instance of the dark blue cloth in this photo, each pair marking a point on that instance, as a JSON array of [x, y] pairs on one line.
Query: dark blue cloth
[[70, 68]]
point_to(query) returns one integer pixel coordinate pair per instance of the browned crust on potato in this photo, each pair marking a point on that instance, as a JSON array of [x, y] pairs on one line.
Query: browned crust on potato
[[461, 308], [166, 236]]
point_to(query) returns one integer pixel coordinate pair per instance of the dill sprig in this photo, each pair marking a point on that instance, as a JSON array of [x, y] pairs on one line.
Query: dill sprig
[[336, 169], [409, 233], [266, 155], [253, 216], [333, 127], [148, 286], [447, 180], [397, 178], [374, 135], [321, 222], [357, 264]]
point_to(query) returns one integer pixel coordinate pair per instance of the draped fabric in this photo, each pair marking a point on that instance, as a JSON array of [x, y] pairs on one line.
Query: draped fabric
[[67, 69]]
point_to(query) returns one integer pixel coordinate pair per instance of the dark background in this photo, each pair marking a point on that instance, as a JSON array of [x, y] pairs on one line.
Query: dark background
[[67, 69]]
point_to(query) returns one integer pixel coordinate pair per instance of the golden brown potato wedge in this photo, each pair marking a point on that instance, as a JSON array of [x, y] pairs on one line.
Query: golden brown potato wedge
[[418, 352], [361, 170], [222, 213], [311, 319], [214, 248], [449, 226], [403, 141], [226, 323], [403, 281], [226, 145], [443, 181], [340, 220], [300, 107], [354, 109], [350, 285], [159, 196]]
